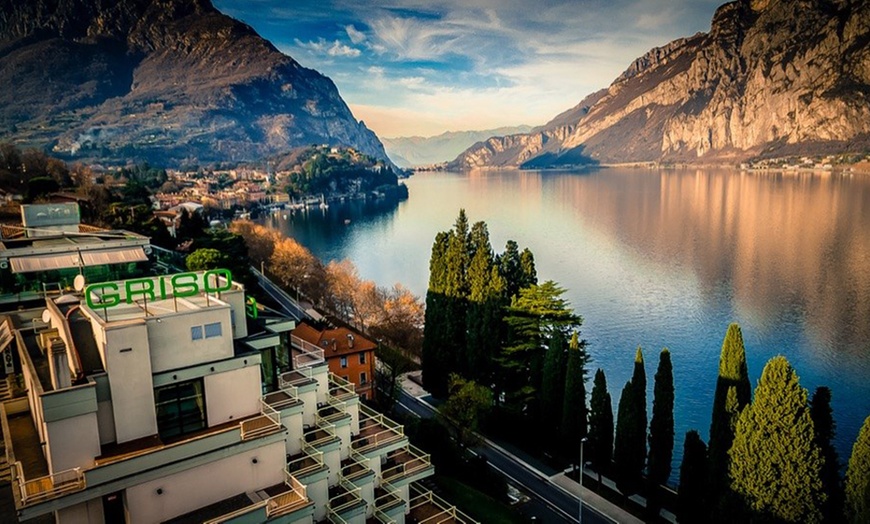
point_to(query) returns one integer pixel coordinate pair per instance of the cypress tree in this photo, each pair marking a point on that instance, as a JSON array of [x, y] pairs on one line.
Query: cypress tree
[[858, 478], [661, 430], [435, 327], [511, 268], [600, 426], [733, 374], [457, 258], [479, 332], [825, 428], [774, 462], [693, 480], [574, 412], [527, 265], [630, 446], [553, 383]]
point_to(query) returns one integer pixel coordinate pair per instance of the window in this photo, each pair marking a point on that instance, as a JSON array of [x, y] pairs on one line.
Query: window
[[196, 332], [362, 378], [213, 330], [344, 362], [362, 357], [180, 408]]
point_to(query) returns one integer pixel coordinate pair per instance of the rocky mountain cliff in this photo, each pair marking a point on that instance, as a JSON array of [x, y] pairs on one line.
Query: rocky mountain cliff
[[169, 81], [410, 151], [771, 78]]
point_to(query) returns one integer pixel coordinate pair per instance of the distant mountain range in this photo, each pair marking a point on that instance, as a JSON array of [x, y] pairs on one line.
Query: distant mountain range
[[771, 78], [412, 151], [169, 81]]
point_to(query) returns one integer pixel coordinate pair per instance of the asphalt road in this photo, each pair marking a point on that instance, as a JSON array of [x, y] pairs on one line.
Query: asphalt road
[[560, 506]]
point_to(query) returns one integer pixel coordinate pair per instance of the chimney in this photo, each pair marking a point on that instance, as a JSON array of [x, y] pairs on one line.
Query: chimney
[[350, 340]]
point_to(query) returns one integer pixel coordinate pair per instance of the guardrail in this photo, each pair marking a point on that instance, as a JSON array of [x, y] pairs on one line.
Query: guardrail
[[340, 389], [351, 493], [290, 391], [339, 413], [288, 501], [393, 430], [48, 487], [310, 354], [446, 512], [329, 429], [416, 461], [390, 499], [267, 423], [298, 467], [356, 460], [291, 378]]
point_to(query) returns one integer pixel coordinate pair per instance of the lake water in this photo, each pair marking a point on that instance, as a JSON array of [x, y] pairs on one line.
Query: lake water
[[657, 259]]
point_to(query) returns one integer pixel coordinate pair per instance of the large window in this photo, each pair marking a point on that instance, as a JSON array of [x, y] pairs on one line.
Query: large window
[[343, 362], [362, 357], [180, 408]]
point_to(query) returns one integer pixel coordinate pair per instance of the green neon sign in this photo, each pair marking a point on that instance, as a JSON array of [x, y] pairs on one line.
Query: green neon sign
[[111, 294]]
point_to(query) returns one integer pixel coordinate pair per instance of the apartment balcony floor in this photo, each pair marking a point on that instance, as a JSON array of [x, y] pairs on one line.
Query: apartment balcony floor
[[25, 446]]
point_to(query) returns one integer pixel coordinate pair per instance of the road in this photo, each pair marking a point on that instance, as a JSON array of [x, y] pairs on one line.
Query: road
[[290, 306], [561, 505]]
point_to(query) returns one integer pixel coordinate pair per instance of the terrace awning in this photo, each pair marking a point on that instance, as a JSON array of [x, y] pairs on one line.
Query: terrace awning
[[52, 261]]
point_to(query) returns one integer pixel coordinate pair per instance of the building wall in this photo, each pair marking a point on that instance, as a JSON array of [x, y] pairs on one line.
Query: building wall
[[89, 512], [172, 346], [188, 490], [128, 364], [353, 370], [72, 442], [232, 395]]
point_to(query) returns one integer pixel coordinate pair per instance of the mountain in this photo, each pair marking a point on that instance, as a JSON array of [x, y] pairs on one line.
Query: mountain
[[771, 78], [168, 81], [419, 151]]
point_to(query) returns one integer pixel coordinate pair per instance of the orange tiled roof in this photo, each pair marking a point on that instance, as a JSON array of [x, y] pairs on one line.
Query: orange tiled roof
[[334, 341]]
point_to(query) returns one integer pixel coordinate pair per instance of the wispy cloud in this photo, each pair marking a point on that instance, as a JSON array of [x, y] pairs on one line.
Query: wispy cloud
[[427, 66]]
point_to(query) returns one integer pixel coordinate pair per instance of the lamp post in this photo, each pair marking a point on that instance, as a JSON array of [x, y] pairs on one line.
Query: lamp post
[[580, 481]]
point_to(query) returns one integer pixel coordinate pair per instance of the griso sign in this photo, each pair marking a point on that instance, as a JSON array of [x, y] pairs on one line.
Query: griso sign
[[111, 294]]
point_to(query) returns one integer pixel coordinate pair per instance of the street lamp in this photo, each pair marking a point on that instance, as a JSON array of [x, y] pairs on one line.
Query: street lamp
[[580, 480]]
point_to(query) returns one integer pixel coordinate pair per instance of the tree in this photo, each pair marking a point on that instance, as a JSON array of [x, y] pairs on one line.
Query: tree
[[484, 316], [858, 478], [435, 329], [693, 480], [537, 315], [824, 431], [775, 464], [732, 394], [295, 267], [600, 426], [205, 259], [661, 430], [466, 405], [574, 412], [630, 445], [553, 384]]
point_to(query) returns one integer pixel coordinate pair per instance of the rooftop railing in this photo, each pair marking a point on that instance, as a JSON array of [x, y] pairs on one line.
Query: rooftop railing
[[335, 410], [355, 466], [48, 487], [340, 388], [287, 501], [311, 460], [321, 434], [295, 377], [309, 354], [389, 498], [376, 430], [348, 498], [444, 512]]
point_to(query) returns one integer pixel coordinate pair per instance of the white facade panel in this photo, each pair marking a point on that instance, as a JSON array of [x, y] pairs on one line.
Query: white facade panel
[[173, 344], [72, 442], [232, 395], [197, 487], [128, 364]]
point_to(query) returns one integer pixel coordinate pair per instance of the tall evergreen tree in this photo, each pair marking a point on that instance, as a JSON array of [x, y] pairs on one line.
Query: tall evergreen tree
[[480, 341], [529, 274], [661, 430], [600, 426], [775, 464], [858, 478], [534, 317], [630, 445], [574, 412], [511, 268], [437, 318], [733, 381], [691, 506], [825, 428], [553, 384]]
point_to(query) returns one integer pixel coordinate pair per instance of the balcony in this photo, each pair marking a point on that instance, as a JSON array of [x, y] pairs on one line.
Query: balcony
[[305, 353], [271, 502], [308, 462], [320, 435], [341, 389], [344, 500], [332, 412], [355, 467], [407, 464], [296, 378], [283, 399], [376, 431], [267, 423], [387, 498], [428, 508], [47, 487]]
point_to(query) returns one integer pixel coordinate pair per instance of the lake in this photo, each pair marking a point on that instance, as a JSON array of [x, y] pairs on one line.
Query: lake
[[657, 259]]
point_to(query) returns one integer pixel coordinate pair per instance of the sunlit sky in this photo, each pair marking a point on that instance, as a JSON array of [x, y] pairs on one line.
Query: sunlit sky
[[422, 67]]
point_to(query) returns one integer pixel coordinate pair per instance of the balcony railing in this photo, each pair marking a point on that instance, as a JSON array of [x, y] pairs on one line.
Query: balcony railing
[[335, 410], [279, 403], [355, 466], [288, 501], [348, 498], [319, 435], [411, 460], [295, 377], [389, 497], [47, 487], [340, 389], [311, 460], [439, 511], [308, 353], [376, 430], [267, 423]]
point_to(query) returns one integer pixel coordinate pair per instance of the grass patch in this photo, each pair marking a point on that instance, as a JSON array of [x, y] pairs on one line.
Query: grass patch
[[477, 505]]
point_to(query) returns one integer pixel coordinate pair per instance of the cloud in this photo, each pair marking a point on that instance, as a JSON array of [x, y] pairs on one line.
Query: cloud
[[336, 48], [356, 36]]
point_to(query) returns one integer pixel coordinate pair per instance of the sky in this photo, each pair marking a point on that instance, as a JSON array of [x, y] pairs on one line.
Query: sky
[[422, 67]]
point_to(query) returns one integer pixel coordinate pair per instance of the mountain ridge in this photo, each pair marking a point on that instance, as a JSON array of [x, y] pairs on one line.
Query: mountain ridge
[[770, 77], [168, 81], [411, 151]]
